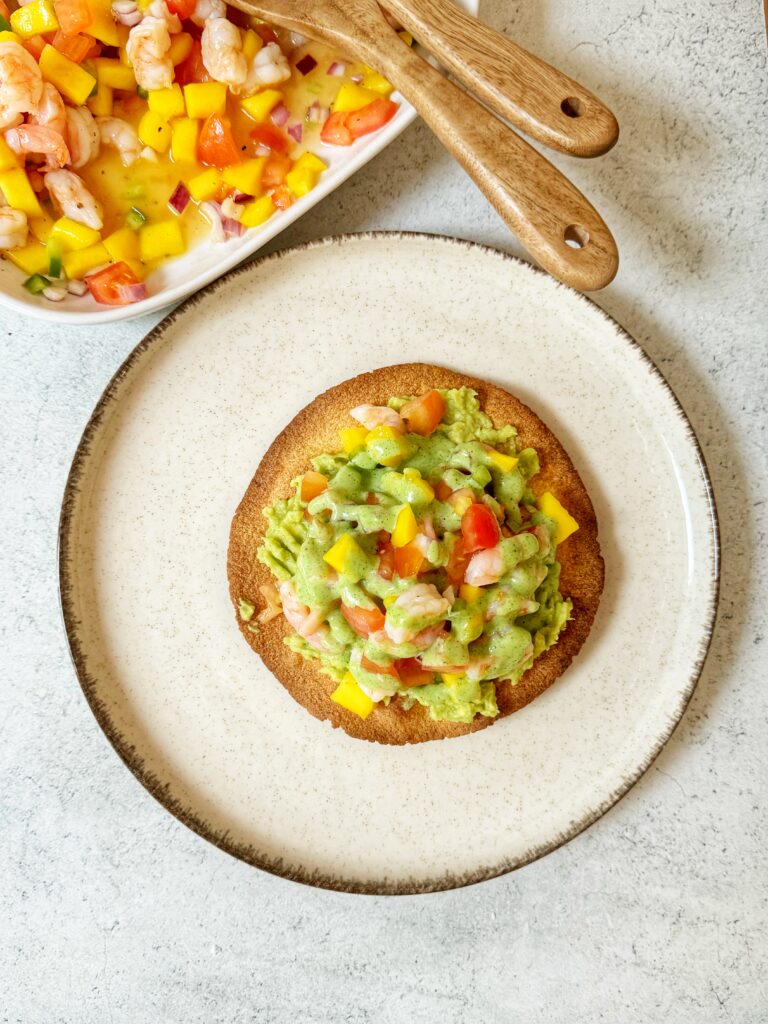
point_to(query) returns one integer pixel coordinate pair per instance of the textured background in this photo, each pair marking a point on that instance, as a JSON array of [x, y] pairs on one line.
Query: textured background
[[110, 911]]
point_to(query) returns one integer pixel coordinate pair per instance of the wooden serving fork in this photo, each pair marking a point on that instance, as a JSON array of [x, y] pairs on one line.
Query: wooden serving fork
[[556, 224]]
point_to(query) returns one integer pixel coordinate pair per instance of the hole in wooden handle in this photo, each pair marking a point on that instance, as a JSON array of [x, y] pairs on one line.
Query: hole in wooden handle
[[572, 106], [575, 236]]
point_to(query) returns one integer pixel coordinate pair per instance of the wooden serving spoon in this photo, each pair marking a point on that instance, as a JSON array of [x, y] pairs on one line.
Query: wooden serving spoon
[[556, 224], [539, 99]]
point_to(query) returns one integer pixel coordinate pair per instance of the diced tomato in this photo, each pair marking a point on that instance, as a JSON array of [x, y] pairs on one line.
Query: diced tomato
[[272, 138], [423, 414], [408, 561], [442, 491], [4, 11], [312, 484], [216, 145], [282, 197], [105, 285], [73, 16], [335, 131], [479, 528], [457, 563], [372, 498], [363, 620], [223, 190], [192, 68], [386, 554], [34, 45], [413, 673], [266, 33], [275, 170], [370, 118], [184, 8], [75, 47], [380, 670]]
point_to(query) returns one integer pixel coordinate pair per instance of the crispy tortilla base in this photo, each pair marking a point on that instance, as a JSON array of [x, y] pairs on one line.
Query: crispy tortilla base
[[316, 429]]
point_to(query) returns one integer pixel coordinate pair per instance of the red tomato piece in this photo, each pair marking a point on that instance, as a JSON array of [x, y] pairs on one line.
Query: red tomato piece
[[34, 45], [386, 554], [363, 620], [282, 197], [423, 414], [75, 47], [73, 16], [412, 673], [408, 561], [457, 563], [266, 135], [312, 484], [442, 491], [335, 131], [370, 118], [380, 670], [479, 528], [184, 8], [192, 68], [216, 146], [275, 170], [106, 285]]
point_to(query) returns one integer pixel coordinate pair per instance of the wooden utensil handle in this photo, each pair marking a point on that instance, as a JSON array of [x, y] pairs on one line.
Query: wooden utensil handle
[[557, 225], [536, 97]]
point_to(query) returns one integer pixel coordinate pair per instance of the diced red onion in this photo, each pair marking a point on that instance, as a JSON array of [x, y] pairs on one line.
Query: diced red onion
[[357, 79], [295, 131], [317, 114], [232, 228], [241, 197], [280, 115], [336, 69], [132, 292], [306, 64], [212, 213], [126, 12], [180, 198]]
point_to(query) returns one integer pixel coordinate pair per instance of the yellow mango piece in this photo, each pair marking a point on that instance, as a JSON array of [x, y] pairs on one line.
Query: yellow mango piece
[[31, 258], [154, 131], [387, 445], [352, 438], [103, 26], [205, 98], [257, 212], [475, 628], [158, 241], [349, 695], [41, 227], [18, 192], [460, 502], [406, 37], [252, 43], [303, 176], [74, 236], [8, 159], [506, 463], [469, 593], [167, 102], [260, 106], [377, 83], [122, 244], [413, 476], [406, 527], [114, 74], [100, 104], [184, 134], [9, 37], [181, 47], [352, 97], [552, 509], [203, 186], [34, 19], [311, 162], [343, 553], [72, 81], [389, 599], [137, 267], [245, 177], [78, 264], [451, 678]]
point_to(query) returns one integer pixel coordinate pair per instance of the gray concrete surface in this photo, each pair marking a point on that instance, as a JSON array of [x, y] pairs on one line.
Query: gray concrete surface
[[110, 911]]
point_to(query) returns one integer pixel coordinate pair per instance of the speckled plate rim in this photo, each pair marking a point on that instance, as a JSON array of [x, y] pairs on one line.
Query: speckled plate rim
[[160, 790]]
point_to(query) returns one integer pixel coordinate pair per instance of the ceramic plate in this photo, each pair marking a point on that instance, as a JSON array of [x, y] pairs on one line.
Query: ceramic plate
[[169, 452], [205, 262]]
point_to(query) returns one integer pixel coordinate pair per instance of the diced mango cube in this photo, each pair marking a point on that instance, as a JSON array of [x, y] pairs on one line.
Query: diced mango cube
[[72, 81], [9, 37], [103, 25], [460, 502], [167, 102], [252, 43], [114, 74], [343, 555], [203, 186], [425, 491], [31, 258], [506, 463], [41, 226], [154, 131], [257, 212], [349, 695], [184, 133], [78, 264], [352, 438], [452, 678], [406, 527], [303, 176], [34, 19], [101, 103], [205, 98], [18, 192], [74, 236], [552, 509], [245, 177], [157, 241], [122, 244], [375, 82], [352, 97], [8, 159], [469, 593], [260, 106], [389, 599], [387, 445], [181, 47]]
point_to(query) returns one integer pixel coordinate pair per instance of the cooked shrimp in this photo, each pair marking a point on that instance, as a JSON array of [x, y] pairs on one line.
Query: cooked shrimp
[[51, 112], [377, 416], [272, 607], [307, 623], [422, 601], [83, 135], [268, 67], [148, 50], [113, 131], [159, 9], [73, 199], [205, 9], [13, 228], [485, 567], [222, 52], [32, 140], [21, 84]]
